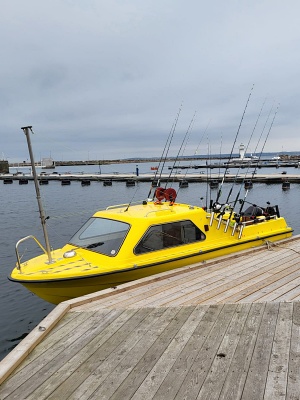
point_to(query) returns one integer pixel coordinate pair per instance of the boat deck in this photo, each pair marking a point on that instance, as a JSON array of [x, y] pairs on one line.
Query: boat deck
[[225, 329]]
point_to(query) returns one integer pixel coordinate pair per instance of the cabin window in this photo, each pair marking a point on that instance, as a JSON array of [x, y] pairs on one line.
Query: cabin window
[[159, 237], [101, 235]]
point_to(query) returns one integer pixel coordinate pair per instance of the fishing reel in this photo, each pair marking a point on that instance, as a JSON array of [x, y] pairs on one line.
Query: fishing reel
[[221, 208], [165, 194], [216, 207]]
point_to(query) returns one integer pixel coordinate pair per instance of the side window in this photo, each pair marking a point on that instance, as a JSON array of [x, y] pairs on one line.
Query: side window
[[159, 237]]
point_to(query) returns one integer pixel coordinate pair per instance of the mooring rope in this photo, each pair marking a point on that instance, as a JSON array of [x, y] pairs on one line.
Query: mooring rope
[[271, 245]]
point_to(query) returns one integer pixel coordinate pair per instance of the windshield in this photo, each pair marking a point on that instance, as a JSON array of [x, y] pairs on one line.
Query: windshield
[[102, 235]]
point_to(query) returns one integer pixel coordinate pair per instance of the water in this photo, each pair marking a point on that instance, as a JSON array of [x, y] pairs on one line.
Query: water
[[68, 208]]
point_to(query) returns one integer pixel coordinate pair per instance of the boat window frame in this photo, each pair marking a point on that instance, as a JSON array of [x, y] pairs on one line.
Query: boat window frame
[[113, 251], [162, 233]]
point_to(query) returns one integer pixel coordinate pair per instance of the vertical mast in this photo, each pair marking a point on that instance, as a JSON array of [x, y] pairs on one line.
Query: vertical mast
[[37, 189]]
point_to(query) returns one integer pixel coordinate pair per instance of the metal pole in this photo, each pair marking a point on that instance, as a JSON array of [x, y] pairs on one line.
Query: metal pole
[[38, 195]]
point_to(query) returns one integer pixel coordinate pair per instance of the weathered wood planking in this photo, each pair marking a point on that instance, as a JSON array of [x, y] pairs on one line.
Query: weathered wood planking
[[231, 351], [293, 387], [265, 276], [226, 329], [212, 284]]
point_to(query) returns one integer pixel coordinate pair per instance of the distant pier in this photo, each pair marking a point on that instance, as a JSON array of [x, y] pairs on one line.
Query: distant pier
[[241, 165], [149, 177]]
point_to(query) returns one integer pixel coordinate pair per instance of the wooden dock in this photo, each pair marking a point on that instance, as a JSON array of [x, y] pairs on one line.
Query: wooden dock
[[225, 329]]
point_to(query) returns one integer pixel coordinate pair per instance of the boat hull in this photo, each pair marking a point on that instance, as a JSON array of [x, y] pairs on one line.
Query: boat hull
[[56, 291]]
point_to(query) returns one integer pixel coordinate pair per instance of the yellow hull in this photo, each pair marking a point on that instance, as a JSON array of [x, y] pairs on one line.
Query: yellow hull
[[154, 238], [57, 291]]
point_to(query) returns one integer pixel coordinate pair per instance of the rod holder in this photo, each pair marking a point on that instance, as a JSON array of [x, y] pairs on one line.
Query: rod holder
[[234, 229], [220, 221], [227, 225], [211, 218], [241, 231]]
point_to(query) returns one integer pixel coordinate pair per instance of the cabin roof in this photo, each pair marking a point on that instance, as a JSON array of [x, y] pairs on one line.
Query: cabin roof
[[149, 210]]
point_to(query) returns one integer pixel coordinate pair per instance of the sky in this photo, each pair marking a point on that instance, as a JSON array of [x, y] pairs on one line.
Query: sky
[[116, 79]]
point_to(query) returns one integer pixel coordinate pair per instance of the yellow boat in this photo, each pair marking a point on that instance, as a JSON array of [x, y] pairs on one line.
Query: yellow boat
[[128, 242]]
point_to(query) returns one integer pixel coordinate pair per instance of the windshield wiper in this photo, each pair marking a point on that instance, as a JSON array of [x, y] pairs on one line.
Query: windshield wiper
[[93, 245]]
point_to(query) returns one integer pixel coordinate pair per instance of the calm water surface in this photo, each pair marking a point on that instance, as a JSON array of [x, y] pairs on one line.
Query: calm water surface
[[68, 208]]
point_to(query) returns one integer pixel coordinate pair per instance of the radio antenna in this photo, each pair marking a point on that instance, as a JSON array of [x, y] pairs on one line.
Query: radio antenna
[[26, 130]]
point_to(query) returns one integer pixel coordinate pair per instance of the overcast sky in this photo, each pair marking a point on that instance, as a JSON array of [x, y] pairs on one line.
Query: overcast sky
[[105, 79]]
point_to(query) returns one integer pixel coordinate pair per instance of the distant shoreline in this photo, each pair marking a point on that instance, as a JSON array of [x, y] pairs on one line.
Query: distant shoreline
[[118, 161], [284, 157]]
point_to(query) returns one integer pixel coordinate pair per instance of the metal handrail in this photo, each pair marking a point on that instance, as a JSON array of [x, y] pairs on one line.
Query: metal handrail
[[160, 210], [123, 205], [23, 240]]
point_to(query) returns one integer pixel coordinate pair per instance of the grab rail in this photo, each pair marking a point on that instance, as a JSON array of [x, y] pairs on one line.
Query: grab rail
[[123, 205], [169, 210], [23, 240]]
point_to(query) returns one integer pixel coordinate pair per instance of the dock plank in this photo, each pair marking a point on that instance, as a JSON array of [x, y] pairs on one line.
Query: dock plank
[[216, 376], [278, 369], [158, 373], [50, 361], [184, 275], [80, 353], [217, 288], [61, 333], [260, 287], [282, 287], [207, 271], [175, 375], [202, 364], [237, 374], [88, 376], [293, 382], [202, 284], [257, 374], [255, 290], [131, 373], [186, 293]]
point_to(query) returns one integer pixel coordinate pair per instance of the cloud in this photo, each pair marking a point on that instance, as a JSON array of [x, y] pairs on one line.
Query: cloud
[[108, 77]]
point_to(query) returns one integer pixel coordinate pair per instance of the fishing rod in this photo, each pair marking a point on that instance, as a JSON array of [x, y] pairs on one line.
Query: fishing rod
[[239, 192], [165, 151], [220, 156], [131, 200], [219, 173], [231, 189], [217, 206], [183, 151], [253, 173], [185, 138], [208, 174], [207, 187], [196, 152]]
